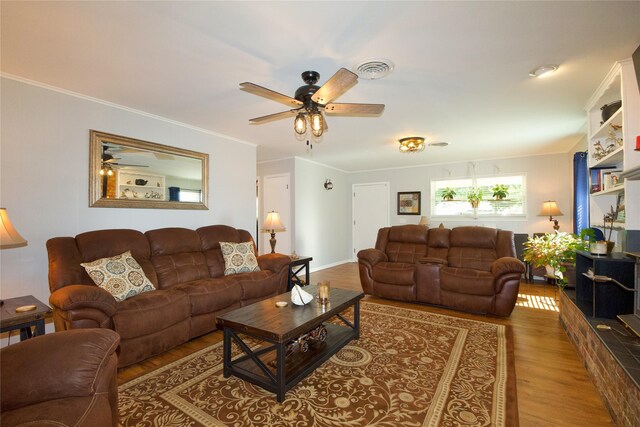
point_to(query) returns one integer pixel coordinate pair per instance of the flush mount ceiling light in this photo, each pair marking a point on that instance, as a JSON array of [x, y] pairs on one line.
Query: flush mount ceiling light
[[543, 71], [411, 144], [373, 69]]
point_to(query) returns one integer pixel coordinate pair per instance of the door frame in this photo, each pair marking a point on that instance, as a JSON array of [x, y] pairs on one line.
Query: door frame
[[353, 210], [261, 237]]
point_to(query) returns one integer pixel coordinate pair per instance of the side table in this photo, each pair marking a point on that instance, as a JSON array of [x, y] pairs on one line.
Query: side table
[[10, 320], [295, 267]]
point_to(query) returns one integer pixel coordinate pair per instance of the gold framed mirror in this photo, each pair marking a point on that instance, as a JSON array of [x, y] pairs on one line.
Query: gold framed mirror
[[131, 173]]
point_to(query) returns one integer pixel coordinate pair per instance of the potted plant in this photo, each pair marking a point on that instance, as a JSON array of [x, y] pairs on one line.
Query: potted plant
[[448, 193], [474, 196], [554, 251], [500, 191]]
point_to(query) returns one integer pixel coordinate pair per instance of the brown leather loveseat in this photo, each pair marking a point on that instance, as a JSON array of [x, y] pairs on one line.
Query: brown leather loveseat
[[186, 267], [466, 268], [63, 379]]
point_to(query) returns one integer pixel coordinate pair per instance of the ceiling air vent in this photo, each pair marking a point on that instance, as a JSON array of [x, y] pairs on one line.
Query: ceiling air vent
[[373, 69]]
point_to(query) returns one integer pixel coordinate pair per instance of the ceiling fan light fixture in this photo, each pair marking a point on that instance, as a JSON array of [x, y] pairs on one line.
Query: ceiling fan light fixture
[[317, 123], [543, 70], [300, 124], [411, 144]]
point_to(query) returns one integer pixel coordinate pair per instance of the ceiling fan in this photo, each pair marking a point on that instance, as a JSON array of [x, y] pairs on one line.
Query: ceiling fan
[[310, 101], [109, 163]]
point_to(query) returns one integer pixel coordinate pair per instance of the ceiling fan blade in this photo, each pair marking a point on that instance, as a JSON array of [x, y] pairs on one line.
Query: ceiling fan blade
[[269, 94], [163, 156], [354, 109], [338, 84], [272, 117], [124, 165]]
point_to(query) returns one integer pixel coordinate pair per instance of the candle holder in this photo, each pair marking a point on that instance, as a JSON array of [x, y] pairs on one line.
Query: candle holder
[[323, 292]]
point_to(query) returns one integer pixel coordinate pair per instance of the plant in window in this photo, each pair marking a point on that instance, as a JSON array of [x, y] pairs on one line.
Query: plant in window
[[500, 191], [555, 251], [448, 193], [474, 196]]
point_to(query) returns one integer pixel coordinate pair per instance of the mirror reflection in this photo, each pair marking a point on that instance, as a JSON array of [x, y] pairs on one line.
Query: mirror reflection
[[126, 172]]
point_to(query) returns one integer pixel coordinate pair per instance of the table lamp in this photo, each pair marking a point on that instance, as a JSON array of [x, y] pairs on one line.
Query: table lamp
[[271, 225], [9, 237], [550, 209], [424, 221]]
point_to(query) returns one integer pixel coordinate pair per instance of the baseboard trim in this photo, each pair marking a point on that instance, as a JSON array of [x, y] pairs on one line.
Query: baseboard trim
[[333, 264]]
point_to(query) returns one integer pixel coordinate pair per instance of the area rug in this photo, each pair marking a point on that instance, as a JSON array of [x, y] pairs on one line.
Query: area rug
[[409, 368]]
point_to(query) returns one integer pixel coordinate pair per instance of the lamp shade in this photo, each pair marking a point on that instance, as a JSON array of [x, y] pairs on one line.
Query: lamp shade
[[9, 237], [550, 208], [272, 223], [423, 221]]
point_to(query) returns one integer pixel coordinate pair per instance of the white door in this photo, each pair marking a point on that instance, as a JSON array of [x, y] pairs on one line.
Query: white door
[[370, 213], [276, 197]]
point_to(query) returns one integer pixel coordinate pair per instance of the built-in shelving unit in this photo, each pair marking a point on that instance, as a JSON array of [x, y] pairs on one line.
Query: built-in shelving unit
[[611, 149], [139, 185]]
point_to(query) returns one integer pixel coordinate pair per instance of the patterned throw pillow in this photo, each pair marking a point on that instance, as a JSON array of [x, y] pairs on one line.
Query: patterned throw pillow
[[238, 258], [120, 275]]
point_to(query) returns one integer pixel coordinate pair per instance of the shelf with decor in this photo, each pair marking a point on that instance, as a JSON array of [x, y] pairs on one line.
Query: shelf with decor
[[140, 185], [613, 123]]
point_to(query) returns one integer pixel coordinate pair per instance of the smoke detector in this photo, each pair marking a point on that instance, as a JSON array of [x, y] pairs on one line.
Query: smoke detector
[[373, 69]]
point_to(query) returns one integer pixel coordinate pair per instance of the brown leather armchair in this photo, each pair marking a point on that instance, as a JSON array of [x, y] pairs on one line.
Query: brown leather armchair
[[61, 379]]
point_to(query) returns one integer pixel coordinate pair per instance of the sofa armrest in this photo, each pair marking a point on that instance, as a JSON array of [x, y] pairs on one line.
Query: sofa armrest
[[273, 262], [433, 260], [506, 265], [90, 306], [372, 256], [62, 364]]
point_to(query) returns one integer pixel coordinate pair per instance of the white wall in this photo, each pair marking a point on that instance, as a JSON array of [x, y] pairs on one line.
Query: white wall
[[44, 176], [548, 177], [278, 167], [322, 218]]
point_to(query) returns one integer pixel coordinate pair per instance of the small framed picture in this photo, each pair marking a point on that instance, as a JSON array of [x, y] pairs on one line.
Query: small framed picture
[[620, 214], [409, 203]]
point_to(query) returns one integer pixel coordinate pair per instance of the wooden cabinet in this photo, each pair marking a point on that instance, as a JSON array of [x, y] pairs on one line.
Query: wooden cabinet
[[611, 146], [139, 185]]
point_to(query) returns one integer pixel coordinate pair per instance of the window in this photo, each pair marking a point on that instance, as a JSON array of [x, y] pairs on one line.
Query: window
[[449, 196], [190, 195]]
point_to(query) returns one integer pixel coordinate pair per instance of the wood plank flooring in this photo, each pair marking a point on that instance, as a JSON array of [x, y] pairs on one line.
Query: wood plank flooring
[[554, 388]]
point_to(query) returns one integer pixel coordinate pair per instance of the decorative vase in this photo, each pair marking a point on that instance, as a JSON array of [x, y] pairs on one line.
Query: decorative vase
[[610, 246], [474, 203], [552, 272], [598, 248], [300, 296]]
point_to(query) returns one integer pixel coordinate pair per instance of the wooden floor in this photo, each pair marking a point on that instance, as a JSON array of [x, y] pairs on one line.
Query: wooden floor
[[554, 388]]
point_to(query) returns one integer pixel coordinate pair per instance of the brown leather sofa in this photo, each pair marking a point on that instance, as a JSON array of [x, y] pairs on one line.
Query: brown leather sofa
[[466, 268], [62, 379], [185, 266]]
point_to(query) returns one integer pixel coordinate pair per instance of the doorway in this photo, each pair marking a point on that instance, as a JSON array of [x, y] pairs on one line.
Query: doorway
[[276, 197], [370, 213]]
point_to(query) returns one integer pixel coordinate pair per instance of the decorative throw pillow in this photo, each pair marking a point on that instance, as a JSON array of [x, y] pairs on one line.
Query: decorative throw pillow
[[238, 258], [120, 275]]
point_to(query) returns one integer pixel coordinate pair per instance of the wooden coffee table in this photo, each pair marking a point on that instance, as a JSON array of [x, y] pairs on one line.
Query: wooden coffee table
[[267, 365]]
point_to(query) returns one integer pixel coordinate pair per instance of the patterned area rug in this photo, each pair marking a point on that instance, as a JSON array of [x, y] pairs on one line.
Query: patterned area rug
[[409, 368]]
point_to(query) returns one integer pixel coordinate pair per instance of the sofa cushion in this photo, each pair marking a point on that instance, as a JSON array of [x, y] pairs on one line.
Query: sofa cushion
[[476, 258], [210, 238], [238, 258], [119, 275], [395, 273], [467, 281], [259, 284], [405, 252], [150, 312], [210, 295]]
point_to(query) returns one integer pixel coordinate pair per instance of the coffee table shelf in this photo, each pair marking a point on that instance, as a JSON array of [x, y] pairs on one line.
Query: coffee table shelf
[[266, 364]]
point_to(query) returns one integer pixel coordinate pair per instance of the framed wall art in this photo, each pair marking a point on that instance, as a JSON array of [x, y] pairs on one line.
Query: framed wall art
[[409, 203]]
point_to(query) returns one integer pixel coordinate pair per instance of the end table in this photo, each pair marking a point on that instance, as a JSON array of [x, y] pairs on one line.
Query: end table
[[295, 267], [11, 320]]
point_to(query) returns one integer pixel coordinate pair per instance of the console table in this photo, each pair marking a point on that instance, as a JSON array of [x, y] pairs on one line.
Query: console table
[[604, 299]]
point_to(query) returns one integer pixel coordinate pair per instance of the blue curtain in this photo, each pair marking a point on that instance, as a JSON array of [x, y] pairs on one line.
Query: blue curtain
[[580, 192]]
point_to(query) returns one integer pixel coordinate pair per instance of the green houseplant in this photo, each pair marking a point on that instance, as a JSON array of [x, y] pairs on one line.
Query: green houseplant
[[555, 251], [448, 193], [500, 191], [474, 196]]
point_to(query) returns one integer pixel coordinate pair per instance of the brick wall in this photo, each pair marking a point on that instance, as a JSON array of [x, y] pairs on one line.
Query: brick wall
[[620, 394]]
